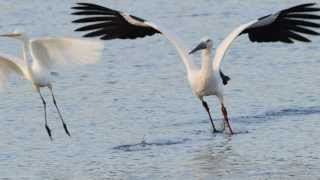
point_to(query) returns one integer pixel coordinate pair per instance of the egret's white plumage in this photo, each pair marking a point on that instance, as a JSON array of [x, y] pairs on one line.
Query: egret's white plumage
[[48, 53], [9, 65], [52, 52]]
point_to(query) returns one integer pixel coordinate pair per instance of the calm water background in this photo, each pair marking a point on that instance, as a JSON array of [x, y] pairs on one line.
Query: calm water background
[[133, 115]]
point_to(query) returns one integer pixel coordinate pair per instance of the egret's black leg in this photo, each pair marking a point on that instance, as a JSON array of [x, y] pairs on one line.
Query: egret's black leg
[[226, 119], [205, 105], [63, 123], [45, 115]]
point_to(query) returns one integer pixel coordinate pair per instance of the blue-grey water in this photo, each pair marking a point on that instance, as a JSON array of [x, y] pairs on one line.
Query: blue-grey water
[[133, 116]]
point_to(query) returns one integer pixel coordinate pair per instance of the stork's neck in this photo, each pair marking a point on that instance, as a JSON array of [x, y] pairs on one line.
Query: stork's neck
[[206, 65]]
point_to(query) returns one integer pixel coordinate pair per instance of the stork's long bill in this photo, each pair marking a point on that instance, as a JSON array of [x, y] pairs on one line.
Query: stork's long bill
[[200, 46]]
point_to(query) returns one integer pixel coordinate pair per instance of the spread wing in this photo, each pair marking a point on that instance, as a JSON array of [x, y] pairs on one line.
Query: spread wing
[[286, 26], [111, 24], [49, 52], [9, 65]]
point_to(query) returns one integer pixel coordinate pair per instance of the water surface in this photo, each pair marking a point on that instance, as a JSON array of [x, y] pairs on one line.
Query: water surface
[[133, 115]]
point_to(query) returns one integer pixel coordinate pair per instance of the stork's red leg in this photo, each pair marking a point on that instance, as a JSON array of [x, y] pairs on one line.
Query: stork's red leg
[[226, 119]]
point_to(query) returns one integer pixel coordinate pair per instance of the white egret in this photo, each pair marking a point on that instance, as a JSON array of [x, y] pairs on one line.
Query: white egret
[[284, 26], [47, 53]]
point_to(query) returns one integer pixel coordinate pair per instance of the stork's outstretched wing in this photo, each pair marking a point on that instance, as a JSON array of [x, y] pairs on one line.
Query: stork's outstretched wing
[[286, 26], [111, 24]]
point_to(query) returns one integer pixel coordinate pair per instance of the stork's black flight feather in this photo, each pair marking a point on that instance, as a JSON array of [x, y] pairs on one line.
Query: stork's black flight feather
[[286, 26], [110, 24]]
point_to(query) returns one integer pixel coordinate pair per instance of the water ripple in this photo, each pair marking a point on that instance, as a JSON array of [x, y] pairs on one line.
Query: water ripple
[[144, 145], [283, 112], [271, 114]]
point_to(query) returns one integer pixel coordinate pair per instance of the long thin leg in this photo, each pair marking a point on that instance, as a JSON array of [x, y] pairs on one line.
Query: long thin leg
[[45, 115], [205, 105], [226, 119], [55, 103]]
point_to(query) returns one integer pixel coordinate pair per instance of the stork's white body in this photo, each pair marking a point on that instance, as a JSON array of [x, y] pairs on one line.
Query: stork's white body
[[206, 81]]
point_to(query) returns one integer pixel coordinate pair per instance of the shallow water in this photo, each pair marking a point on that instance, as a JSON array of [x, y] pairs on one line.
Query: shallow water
[[133, 115]]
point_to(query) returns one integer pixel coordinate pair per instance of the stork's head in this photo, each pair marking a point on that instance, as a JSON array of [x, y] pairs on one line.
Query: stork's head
[[206, 43], [15, 34]]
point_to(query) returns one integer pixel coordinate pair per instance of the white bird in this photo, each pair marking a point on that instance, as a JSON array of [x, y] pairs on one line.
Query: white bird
[[47, 53], [285, 26]]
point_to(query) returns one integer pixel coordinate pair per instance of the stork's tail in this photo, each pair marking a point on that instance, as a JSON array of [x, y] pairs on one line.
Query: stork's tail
[[224, 78]]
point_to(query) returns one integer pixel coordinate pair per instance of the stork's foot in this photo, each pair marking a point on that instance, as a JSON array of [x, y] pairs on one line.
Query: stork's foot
[[217, 131]]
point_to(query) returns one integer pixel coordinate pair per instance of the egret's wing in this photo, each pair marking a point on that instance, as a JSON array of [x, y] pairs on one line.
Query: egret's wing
[[109, 24], [49, 52], [9, 65], [285, 26]]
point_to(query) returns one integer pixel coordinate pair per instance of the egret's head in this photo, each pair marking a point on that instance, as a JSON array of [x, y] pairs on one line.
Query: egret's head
[[206, 43], [15, 34]]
